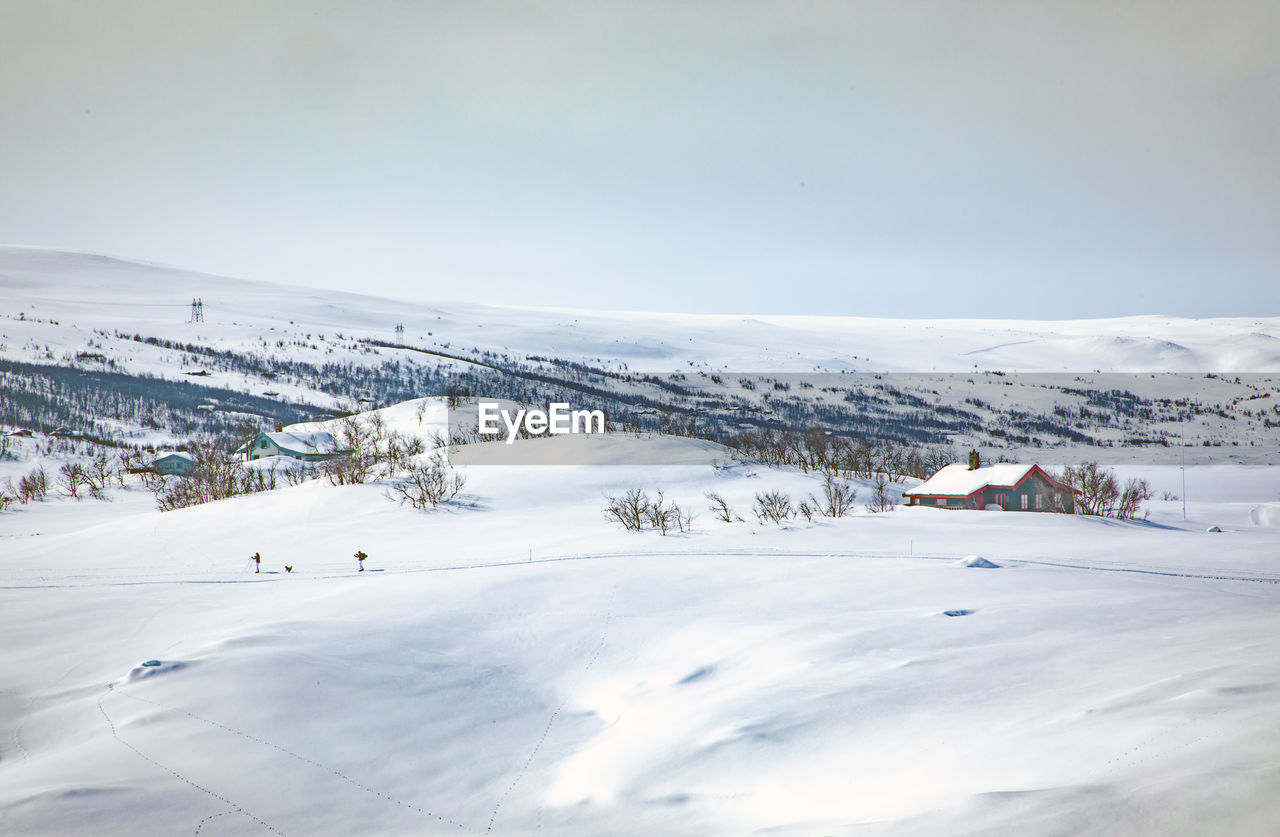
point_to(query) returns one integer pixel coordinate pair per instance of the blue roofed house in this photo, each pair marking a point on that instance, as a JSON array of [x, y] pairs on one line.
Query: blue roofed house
[[308, 447]]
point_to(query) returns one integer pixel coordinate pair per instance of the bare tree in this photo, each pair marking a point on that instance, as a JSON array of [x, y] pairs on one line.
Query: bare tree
[[838, 497], [216, 475], [1136, 492], [629, 509], [636, 512], [34, 485], [428, 485], [881, 499], [773, 507], [1098, 488], [719, 507], [71, 478], [358, 460], [99, 472]]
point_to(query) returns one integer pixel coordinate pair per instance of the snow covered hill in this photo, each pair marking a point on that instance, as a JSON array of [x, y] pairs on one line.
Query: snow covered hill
[[513, 663], [83, 293]]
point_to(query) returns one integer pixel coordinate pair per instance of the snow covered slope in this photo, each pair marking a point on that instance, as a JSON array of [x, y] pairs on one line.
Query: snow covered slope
[[512, 664], [84, 292]]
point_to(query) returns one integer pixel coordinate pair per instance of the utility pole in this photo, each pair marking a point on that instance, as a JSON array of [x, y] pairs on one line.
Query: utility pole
[[1182, 423]]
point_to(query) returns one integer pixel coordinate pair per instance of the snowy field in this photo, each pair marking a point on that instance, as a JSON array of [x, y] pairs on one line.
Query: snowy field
[[511, 663], [516, 665]]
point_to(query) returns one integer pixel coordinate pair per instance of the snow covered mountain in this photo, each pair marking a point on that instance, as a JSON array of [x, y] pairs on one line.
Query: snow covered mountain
[[83, 292]]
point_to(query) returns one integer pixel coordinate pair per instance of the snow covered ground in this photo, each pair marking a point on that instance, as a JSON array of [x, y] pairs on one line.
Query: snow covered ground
[[514, 664]]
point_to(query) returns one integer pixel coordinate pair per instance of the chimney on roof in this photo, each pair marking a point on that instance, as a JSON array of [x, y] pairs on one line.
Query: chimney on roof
[[974, 460]]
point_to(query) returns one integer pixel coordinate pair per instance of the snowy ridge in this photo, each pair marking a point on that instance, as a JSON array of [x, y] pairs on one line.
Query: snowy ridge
[[85, 292]]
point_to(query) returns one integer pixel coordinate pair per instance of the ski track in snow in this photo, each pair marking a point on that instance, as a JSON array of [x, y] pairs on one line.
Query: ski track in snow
[[1211, 573], [235, 808], [604, 634], [304, 759]]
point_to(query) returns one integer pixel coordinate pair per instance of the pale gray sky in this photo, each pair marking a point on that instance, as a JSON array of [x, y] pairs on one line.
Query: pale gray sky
[[1029, 159]]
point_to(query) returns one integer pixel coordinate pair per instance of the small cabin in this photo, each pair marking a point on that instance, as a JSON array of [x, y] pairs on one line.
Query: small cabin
[[1007, 485], [173, 462], [308, 447]]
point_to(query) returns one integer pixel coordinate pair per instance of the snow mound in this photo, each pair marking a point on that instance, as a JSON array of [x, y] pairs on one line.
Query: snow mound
[[1214, 529], [978, 561]]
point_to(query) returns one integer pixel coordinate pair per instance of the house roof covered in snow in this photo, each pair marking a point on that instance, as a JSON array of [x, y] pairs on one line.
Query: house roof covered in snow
[[317, 442], [174, 454], [959, 481], [295, 442]]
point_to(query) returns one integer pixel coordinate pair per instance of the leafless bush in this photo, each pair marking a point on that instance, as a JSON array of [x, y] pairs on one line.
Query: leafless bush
[[1136, 492], [358, 440], [98, 473], [71, 478], [773, 507], [719, 507], [298, 473], [881, 499], [839, 456], [1098, 487], [629, 509], [837, 498], [428, 485], [8, 495], [636, 512], [807, 510], [34, 485], [399, 450], [215, 476]]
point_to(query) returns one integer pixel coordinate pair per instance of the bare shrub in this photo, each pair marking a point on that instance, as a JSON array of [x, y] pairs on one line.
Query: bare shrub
[[8, 495], [636, 512], [807, 510], [837, 498], [358, 441], [71, 478], [100, 471], [881, 499], [298, 473], [429, 485], [1135, 493], [1098, 487], [34, 485], [629, 509], [719, 507], [216, 476], [773, 507]]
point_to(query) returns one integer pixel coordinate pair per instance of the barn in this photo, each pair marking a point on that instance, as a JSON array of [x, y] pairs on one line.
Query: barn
[[1008, 485]]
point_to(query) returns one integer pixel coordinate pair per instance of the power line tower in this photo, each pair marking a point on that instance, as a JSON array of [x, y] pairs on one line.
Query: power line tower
[[399, 329], [197, 311]]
